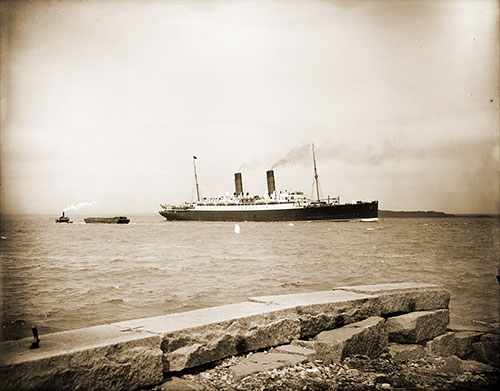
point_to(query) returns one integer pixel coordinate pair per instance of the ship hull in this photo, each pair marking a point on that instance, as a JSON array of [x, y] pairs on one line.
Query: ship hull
[[358, 211]]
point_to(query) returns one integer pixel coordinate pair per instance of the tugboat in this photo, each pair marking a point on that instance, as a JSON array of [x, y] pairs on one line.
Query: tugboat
[[273, 206], [63, 219]]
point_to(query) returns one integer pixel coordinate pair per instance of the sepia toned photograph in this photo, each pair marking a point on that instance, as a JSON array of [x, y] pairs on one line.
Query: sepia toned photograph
[[249, 195]]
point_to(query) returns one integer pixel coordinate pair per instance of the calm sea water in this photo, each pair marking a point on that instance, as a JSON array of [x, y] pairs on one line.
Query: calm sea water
[[65, 276]]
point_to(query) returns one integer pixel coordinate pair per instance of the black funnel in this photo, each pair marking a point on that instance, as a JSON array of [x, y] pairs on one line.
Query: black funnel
[[271, 187], [238, 184]]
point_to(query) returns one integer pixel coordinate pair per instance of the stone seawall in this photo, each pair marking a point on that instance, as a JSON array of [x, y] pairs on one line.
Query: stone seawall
[[328, 325]]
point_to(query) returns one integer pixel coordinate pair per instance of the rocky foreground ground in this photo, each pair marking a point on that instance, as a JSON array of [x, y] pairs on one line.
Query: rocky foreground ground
[[413, 351], [353, 374], [373, 337]]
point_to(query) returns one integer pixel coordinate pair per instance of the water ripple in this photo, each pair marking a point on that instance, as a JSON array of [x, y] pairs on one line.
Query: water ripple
[[68, 276]]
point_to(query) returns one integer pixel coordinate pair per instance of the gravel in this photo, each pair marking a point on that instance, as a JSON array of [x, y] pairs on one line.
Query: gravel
[[356, 373]]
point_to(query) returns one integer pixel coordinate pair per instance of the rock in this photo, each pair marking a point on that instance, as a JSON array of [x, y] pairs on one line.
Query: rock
[[183, 357], [353, 372], [315, 320], [295, 349], [464, 341], [263, 322], [487, 350], [405, 297], [476, 367], [260, 362], [368, 337], [452, 366], [443, 345], [110, 362], [177, 384], [318, 311], [417, 326], [194, 338], [193, 347], [405, 352]]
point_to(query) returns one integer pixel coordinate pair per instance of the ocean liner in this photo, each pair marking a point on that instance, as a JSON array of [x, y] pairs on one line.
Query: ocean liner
[[273, 206]]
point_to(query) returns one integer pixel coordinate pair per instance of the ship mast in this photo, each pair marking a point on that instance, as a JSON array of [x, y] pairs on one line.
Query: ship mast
[[196, 178], [315, 174]]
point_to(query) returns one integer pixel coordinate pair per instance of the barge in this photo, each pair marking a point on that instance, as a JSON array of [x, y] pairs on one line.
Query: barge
[[107, 220]]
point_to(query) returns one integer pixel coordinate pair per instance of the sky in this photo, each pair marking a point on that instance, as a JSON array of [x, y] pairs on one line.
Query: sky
[[105, 103]]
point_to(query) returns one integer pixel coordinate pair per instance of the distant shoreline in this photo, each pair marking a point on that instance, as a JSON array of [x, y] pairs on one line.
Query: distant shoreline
[[429, 214]]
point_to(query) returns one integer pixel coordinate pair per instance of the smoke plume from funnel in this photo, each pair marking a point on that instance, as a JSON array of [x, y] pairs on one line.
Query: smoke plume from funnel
[[296, 155], [80, 205]]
